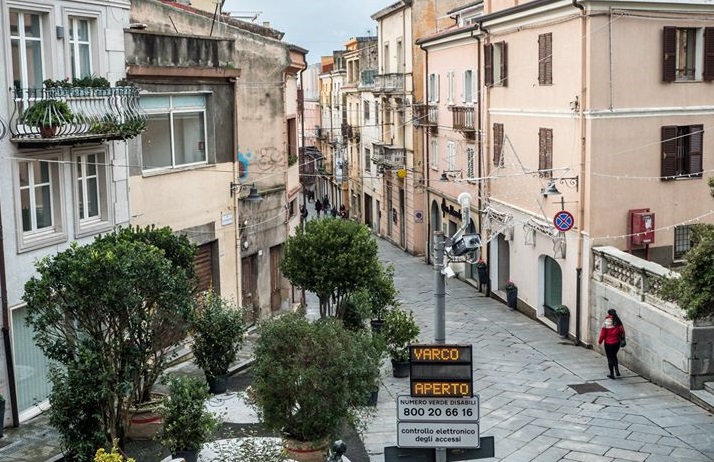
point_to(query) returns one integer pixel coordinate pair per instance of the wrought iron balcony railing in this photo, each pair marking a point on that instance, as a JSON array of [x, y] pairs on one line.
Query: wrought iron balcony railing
[[388, 155], [75, 115], [425, 115], [463, 119], [389, 82]]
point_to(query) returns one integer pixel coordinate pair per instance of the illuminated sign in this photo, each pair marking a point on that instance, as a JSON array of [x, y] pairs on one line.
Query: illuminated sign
[[441, 371]]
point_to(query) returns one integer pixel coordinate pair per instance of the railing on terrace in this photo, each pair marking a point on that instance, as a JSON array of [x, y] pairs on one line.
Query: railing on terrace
[[389, 82], [388, 155], [367, 77], [425, 115], [463, 119], [74, 115]]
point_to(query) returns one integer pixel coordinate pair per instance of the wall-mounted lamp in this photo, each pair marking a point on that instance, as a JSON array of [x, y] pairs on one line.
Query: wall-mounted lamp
[[253, 194], [552, 190], [451, 173]]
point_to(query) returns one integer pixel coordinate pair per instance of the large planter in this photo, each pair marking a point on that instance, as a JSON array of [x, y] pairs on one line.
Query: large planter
[[563, 324], [512, 298], [306, 451], [217, 385], [400, 369], [188, 456], [145, 421]]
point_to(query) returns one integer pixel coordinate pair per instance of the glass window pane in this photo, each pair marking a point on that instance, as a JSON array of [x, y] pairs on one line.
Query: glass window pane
[[553, 283], [41, 172], [185, 101], [91, 164], [25, 207], [14, 20], [16, 70], [80, 196], [83, 30], [34, 64], [92, 198], [24, 172], [31, 366], [32, 25], [84, 61], [189, 138], [156, 142], [43, 203], [154, 102]]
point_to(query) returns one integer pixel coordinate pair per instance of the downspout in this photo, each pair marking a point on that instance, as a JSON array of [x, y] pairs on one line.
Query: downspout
[[6, 333], [237, 219], [581, 181], [484, 191], [479, 204], [427, 168], [302, 134]]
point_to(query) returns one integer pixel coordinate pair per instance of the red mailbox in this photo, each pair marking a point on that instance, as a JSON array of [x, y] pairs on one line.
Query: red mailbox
[[643, 228]]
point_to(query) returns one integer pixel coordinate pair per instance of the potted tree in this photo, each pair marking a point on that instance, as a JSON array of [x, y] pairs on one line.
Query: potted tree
[[562, 320], [309, 379], [187, 422], [218, 329], [511, 294], [47, 115], [399, 330]]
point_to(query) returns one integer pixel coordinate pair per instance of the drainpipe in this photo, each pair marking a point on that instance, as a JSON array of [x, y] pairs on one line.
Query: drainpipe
[[485, 122], [236, 218], [581, 181], [480, 132], [427, 169], [302, 134], [6, 334]]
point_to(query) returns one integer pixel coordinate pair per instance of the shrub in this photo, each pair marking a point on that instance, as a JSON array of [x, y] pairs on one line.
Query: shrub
[[187, 422], [399, 330], [47, 113]]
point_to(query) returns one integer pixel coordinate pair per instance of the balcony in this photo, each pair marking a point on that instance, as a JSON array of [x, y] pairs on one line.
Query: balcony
[[464, 120], [321, 133], [71, 115], [388, 155], [367, 78], [426, 115], [388, 83]]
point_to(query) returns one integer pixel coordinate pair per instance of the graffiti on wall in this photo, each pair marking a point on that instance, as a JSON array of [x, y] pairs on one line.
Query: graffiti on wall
[[262, 160]]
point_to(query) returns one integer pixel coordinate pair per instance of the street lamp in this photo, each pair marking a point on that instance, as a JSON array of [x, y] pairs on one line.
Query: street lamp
[[552, 190], [253, 194]]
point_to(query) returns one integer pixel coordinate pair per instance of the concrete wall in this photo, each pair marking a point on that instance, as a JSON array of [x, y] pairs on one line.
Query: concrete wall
[[661, 344]]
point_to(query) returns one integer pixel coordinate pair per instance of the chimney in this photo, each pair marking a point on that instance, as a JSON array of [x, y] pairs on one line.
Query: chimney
[[266, 24]]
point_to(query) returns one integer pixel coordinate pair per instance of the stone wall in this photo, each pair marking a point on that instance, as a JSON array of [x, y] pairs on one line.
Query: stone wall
[[661, 344]]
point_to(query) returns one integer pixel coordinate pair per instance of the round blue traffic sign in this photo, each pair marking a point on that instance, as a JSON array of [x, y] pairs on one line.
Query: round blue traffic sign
[[563, 221]]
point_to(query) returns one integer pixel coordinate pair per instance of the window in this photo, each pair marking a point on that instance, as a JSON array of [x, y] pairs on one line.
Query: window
[[498, 145], [91, 191], [450, 89], [39, 202], [469, 86], [400, 57], [451, 159], [365, 105], [434, 154], [688, 54], [386, 58], [545, 59], [433, 89], [682, 241], [496, 64], [682, 151], [545, 152], [367, 160], [175, 133], [27, 49], [80, 51], [470, 156]]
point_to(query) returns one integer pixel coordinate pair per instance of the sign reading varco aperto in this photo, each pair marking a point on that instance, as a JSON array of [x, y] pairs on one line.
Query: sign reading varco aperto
[[441, 371]]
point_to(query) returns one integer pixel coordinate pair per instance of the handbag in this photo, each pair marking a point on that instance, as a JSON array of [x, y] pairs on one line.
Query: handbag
[[623, 342]]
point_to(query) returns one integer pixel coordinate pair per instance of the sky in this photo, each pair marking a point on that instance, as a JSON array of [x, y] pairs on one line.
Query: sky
[[320, 26]]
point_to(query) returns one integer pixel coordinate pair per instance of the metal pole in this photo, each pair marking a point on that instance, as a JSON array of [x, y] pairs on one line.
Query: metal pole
[[440, 308]]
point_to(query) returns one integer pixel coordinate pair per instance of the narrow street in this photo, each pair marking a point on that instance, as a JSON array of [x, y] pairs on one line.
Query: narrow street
[[524, 373]]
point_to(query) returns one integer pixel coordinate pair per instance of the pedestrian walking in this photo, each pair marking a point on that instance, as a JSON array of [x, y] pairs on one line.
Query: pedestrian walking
[[318, 208], [343, 211], [613, 334], [303, 212], [325, 204], [333, 212]]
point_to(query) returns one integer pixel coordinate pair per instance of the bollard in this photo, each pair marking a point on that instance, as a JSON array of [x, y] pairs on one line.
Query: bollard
[[336, 451]]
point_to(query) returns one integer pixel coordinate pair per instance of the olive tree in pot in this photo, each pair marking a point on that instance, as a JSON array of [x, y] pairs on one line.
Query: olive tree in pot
[[309, 379], [399, 330], [218, 330], [187, 422]]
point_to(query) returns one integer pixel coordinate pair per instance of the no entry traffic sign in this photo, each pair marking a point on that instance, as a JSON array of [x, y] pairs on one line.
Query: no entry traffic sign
[[563, 221]]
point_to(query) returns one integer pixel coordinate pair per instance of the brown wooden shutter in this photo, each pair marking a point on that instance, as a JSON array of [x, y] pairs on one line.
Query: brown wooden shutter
[[204, 267], [504, 64], [488, 64], [708, 53], [669, 152], [696, 152], [669, 48], [545, 152], [548, 78], [541, 59], [497, 144]]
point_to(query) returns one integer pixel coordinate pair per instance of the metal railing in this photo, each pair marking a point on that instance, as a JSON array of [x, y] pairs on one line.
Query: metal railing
[[72, 115], [425, 115], [463, 118], [388, 155], [389, 82]]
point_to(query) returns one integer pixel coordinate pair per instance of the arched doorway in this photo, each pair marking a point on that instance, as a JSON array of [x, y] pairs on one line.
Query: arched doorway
[[504, 262], [434, 225], [552, 285]]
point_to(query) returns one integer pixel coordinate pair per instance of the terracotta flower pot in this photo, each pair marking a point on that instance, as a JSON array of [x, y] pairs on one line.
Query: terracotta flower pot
[[306, 451]]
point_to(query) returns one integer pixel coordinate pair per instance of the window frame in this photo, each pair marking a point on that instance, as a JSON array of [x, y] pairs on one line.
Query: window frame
[[433, 88], [680, 150], [56, 233], [171, 111], [434, 154], [678, 252], [498, 144], [703, 54], [44, 19], [73, 45], [545, 59], [104, 221], [469, 90], [545, 152], [367, 160], [450, 77], [493, 60], [451, 156]]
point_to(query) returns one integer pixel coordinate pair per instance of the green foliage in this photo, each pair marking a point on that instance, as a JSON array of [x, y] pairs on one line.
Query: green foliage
[[113, 456], [292, 159], [218, 331], [333, 259], [251, 450], [2, 400], [112, 125], [561, 310], [693, 290], [117, 304], [90, 81], [399, 330], [309, 376], [187, 422], [47, 113]]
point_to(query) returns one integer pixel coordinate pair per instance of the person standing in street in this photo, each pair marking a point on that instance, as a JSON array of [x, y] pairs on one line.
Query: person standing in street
[[325, 204], [318, 208], [612, 333]]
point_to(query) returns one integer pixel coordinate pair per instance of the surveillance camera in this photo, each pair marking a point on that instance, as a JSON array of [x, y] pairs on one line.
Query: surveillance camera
[[467, 243], [448, 272]]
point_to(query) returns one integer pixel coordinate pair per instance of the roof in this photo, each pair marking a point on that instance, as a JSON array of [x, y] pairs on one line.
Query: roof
[[453, 30], [391, 9], [465, 7]]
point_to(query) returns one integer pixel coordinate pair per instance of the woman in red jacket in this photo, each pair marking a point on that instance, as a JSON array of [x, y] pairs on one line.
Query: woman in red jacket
[[611, 333]]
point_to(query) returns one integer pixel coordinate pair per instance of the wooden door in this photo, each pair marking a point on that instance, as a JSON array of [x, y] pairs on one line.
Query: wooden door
[[275, 278]]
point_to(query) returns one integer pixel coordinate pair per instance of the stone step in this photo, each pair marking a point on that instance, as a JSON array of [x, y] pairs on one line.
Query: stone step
[[704, 398], [709, 386]]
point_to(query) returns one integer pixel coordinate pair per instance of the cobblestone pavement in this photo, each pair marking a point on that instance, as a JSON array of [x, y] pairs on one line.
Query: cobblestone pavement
[[523, 372]]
